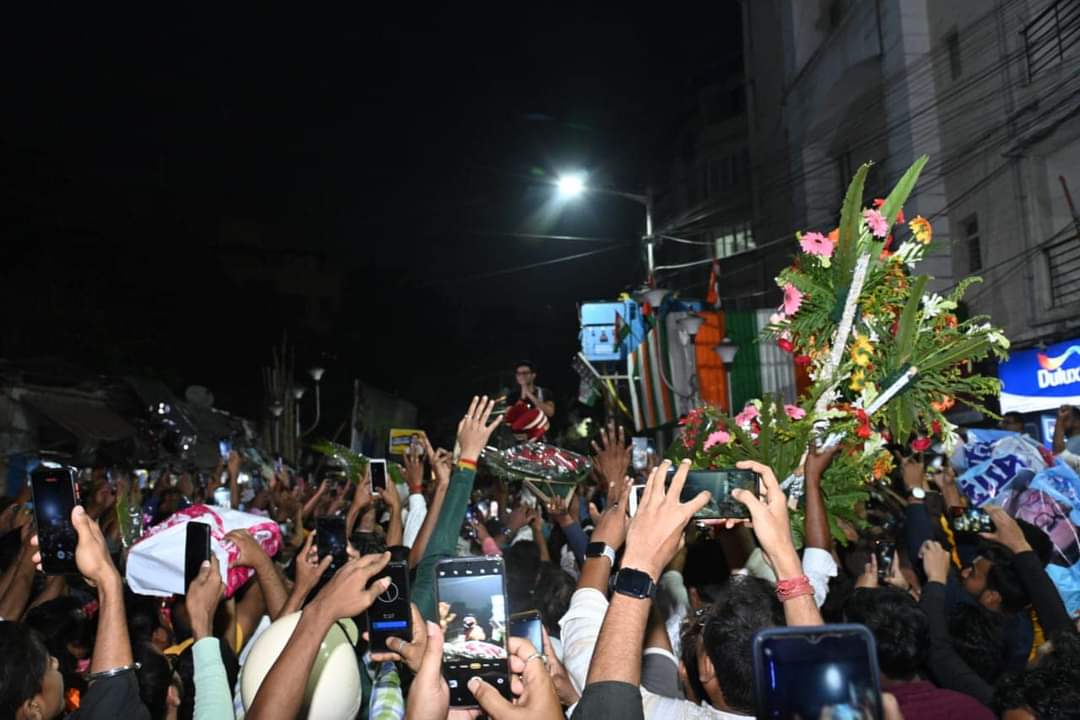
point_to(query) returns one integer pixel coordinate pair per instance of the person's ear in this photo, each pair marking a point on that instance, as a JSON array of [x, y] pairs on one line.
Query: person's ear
[[31, 709], [706, 671]]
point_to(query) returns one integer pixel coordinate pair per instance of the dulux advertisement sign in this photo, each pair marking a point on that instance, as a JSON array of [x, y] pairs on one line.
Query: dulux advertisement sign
[[1035, 380]]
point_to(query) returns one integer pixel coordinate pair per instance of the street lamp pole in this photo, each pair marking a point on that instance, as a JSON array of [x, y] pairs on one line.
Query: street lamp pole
[[573, 185]]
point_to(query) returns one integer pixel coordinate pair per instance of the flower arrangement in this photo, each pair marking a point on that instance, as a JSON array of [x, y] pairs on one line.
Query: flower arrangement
[[887, 358]]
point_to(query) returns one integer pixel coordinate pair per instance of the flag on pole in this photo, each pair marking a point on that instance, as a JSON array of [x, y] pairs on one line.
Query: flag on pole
[[712, 297], [649, 366], [622, 330]]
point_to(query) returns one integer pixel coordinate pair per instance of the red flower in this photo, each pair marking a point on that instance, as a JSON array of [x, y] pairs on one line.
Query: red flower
[[921, 444], [935, 427], [864, 431], [803, 360], [785, 345]]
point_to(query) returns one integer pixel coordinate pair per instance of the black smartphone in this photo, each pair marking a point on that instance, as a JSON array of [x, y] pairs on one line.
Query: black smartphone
[[971, 520], [378, 475], [55, 495], [885, 551], [330, 539], [471, 596], [196, 550], [816, 672], [530, 626], [720, 483], [391, 615]]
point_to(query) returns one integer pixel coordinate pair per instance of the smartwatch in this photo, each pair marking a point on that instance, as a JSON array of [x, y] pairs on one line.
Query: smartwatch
[[600, 549], [635, 584], [917, 493]]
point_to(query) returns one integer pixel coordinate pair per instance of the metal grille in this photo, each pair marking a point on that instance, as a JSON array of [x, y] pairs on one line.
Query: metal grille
[[1063, 259], [1050, 34]]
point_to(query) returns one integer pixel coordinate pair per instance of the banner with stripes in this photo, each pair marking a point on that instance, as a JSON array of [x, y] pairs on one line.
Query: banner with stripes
[[648, 367]]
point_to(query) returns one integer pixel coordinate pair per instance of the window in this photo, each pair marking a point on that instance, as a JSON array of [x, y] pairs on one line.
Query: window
[[734, 239], [952, 43], [1049, 38], [971, 243]]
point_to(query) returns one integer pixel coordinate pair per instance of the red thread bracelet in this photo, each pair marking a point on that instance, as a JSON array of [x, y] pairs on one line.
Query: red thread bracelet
[[793, 588]]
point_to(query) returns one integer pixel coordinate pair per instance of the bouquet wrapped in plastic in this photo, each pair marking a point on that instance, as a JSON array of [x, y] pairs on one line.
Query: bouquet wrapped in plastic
[[537, 461]]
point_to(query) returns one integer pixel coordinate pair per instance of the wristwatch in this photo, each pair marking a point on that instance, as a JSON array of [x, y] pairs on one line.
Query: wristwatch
[[635, 583], [917, 493], [600, 549]]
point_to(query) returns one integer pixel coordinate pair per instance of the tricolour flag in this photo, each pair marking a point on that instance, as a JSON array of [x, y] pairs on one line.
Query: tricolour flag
[[648, 365]]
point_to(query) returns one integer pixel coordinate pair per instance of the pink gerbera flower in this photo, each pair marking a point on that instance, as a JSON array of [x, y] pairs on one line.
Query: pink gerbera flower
[[748, 413], [794, 412], [814, 243], [720, 437], [878, 225], [792, 299]]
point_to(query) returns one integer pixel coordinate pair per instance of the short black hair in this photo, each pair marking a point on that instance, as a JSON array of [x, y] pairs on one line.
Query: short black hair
[[746, 605], [525, 363], [155, 677], [22, 666], [1014, 416], [1051, 689], [689, 639], [899, 625], [706, 569], [61, 622], [978, 637], [554, 588], [1004, 578]]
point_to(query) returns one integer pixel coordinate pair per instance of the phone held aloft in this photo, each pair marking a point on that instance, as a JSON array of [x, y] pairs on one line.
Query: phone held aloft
[[471, 597], [719, 483], [378, 474], [391, 614], [55, 495], [528, 625], [828, 671], [196, 551]]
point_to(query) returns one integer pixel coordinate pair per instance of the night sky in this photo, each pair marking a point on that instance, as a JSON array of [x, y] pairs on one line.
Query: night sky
[[152, 164]]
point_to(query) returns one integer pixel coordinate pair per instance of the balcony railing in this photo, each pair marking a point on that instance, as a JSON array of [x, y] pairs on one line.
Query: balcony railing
[[1053, 31]]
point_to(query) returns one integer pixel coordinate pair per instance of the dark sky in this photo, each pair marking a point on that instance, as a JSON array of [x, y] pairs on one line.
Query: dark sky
[[148, 162]]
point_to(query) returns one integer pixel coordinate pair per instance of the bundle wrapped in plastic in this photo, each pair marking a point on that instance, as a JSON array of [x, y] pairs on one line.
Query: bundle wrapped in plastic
[[537, 461]]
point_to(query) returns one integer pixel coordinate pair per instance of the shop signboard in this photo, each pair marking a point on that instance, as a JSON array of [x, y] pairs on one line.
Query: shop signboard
[[1037, 380]]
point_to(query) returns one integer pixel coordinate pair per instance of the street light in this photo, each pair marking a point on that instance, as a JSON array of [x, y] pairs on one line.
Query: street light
[[573, 184], [726, 350], [316, 374], [688, 330]]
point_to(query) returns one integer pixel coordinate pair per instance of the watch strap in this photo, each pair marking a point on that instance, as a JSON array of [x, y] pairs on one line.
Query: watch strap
[[600, 549]]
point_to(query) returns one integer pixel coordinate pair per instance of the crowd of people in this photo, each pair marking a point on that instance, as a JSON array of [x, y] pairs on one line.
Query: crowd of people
[[652, 615]]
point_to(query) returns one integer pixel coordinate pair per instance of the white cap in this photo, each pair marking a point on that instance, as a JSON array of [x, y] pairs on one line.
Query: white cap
[[333, 688]]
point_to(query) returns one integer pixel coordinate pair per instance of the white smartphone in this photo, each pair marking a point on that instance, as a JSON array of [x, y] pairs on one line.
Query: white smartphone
[[636, 492]]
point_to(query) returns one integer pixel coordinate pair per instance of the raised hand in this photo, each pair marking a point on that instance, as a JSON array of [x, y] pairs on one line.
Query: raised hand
[[91, 550], [537, 699], [612, 457], [936, 561], [817, 461], [1006, 530], [610, 526], [203, 596], [414, 472], [474, 429], [251, 553], [347, 594], [411, 652], [656, 530], [770, 520]]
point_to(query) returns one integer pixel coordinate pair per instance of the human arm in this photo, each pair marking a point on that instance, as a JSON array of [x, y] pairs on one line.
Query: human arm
[[559, 511], [611, 528], [441, 466], [233, 467], [773, 531], [313, 501], [309, 570], [270, 581], [473, 433], [361, 499], [817, 533], [19, 580], [536, 522], [394, 530], [1045, 598], [651, 541], [213, 699], [1059, 428], [945, 664], [346, 595], [612, 459]]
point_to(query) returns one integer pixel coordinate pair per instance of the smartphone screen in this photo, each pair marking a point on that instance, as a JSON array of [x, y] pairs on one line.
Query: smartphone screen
[[378, 475], [391, 615], [55, 496], [471, 596], [886, 553], [720, 483], [828, 671], [224, 446], [330, 538], [196, 550], [639, 452], [971, 520], [528, 625]]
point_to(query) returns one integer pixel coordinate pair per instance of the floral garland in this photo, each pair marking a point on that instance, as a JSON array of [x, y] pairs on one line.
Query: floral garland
[[887, 358]]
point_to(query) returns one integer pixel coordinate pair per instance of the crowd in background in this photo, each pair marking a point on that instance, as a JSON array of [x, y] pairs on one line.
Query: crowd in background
[[964, 626]]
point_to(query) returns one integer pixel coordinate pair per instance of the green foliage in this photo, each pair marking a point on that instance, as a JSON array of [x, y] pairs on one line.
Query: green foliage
[[354, 464]]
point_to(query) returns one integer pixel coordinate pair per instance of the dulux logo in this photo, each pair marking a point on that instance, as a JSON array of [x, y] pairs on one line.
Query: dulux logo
[[1051, 374]]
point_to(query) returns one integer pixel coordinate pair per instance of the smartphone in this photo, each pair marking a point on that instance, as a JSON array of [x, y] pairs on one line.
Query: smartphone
[[885, 551], [636, 491], [827, 671], [330, 537], [639, 453], [224, 446], [55, 495], [142, 478], [196, 550], [378, 474], [471, 596], [720, 483], [971, 520], [528, 625], [391, 615]]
